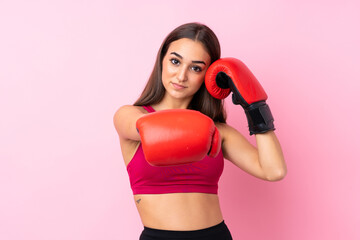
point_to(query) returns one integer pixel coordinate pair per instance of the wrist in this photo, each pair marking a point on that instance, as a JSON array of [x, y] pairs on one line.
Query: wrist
[[260, 119]]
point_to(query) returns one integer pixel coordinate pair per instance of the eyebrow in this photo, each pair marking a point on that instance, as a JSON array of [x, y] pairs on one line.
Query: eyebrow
[[178, 55]]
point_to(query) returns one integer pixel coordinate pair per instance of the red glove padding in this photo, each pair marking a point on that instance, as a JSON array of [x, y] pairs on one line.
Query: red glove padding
[[177, 136], [231, 75]]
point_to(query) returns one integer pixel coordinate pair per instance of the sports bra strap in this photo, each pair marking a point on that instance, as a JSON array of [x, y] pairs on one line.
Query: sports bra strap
[[149, 108]]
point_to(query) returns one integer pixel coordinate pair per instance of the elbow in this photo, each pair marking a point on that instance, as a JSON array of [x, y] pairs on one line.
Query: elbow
[[279, 175]]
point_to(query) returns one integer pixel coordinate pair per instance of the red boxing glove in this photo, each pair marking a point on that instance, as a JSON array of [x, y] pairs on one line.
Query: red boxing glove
[[177, 136], [231, 75]]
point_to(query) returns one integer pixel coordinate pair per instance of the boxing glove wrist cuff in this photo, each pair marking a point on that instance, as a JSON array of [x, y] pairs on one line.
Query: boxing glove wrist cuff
[[259, 118]]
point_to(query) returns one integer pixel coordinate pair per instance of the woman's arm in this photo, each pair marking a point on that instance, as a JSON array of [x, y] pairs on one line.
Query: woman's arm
[[271, 157], [265, 162], [125, 122]]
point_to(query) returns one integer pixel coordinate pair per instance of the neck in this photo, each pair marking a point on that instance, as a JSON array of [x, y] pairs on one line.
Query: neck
[[171, 103]]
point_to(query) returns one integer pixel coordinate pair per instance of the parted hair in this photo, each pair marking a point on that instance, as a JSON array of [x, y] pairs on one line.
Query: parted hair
[[202, 101]]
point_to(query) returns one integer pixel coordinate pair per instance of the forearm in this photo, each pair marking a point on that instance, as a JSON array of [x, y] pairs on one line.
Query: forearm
[[271, 156]]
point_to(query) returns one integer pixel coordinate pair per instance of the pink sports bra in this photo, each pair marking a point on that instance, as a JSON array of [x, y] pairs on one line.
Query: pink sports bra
[[202, 176]]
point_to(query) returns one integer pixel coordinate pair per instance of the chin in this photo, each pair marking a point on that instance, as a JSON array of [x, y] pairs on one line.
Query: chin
[[178, 96]]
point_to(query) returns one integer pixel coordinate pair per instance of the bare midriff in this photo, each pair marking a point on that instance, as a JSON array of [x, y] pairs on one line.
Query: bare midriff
[[174, 211], [179, 211]]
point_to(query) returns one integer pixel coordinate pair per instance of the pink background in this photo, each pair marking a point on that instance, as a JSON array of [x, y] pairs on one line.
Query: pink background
[[67, 66]]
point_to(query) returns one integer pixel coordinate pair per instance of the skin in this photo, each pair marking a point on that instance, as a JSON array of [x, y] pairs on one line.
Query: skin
[[185, 64]]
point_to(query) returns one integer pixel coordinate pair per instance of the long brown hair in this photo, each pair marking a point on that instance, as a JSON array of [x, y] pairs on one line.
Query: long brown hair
[[202, 101]]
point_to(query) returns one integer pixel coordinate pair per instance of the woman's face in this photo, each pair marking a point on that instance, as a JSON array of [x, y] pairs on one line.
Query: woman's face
[[184, 68]]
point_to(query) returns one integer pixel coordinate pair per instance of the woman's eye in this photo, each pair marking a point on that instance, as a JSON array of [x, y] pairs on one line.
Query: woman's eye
[[197, 69], [174, 61]]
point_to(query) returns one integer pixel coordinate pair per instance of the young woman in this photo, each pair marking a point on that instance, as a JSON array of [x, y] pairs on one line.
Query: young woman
[[180, 201]]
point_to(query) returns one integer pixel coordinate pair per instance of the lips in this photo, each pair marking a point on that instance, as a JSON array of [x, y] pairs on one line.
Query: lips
[[178, 86]]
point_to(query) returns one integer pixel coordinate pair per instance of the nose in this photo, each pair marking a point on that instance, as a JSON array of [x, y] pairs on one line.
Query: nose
[[182, 74]]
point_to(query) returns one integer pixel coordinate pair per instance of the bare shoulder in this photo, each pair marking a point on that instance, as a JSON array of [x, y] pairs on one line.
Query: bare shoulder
[[232, 139], [128, 109], [124, 121], [224, 129], [220, 125]]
